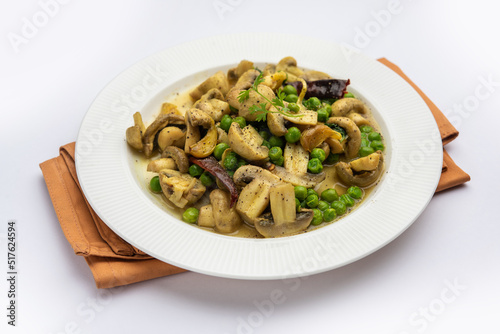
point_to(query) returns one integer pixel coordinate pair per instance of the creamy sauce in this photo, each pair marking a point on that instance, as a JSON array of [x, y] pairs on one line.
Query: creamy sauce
[[184, 102]]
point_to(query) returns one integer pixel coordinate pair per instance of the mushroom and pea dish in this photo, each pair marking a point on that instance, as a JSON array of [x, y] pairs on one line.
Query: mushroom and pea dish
[[268, 152]]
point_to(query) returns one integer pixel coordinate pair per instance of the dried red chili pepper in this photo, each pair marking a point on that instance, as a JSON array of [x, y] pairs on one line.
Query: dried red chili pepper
[[213, 167], [323, 89]]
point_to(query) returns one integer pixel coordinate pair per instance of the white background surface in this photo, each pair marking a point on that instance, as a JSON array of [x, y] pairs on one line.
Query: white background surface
[[446, 47]]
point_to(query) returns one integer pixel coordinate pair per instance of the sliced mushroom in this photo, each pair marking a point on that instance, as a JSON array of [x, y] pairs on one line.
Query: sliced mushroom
[[283, 220], [179, 157], [358, 119], [275, 80], [307, 180], [222, 136], [295, 171], [226, 218], [236, 72], [276, 124], [269, 69], [296, 158], [303, 117], [212, 102], [171, 136], [218, 80], [353, 141], [314, 75], [180, 188], [159, 164], [316, 135], [368, 163], [195, 146], [289, 65], [206, 217], [336, 147], [346, 105], [254, 197], [135, 132], [247, 142], [346, 174], [159, 123], [244, 83]]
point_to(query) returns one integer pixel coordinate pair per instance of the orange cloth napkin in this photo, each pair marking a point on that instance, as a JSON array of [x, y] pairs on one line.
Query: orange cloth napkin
[[115, 262], [451, 175]]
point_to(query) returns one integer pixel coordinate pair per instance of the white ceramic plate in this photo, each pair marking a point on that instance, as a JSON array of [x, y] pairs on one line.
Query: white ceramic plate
[[107, 170]]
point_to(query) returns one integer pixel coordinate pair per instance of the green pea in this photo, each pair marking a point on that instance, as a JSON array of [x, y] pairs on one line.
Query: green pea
[[314, 103], [241, 121], [318, 153], [280, 161], [355, 192], [332, 158], [317, 217], [275, 153], [207, 179], [225, 122], [298, 207], [264, 134], [329, 195], [154, 184], [266, 144], [366, 129], [377, 145], [289, 89], [292, 135], [349, 95], [364, 135], [315, 166], [365, 143], [276, 141], [195, 170], [303, 204], [241, 162], [329, 215], [294, 107], [328, 108], [191, 215], [300, 192], [323, 115], [312, 201], [374, 136], [322, 205], [348, 200], [339, 207], [219, 150], [311, 191], [230, 173], [292, 98], [230, 162], [364, 151]]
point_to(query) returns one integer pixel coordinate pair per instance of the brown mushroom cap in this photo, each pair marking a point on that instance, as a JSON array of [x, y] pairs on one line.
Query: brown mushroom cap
[[195, 146], [179, 156], [213, 103], [266, 226], [159, 123], [218, 80], [135, 132], [353, 135], [346, 105], [364, 179]]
